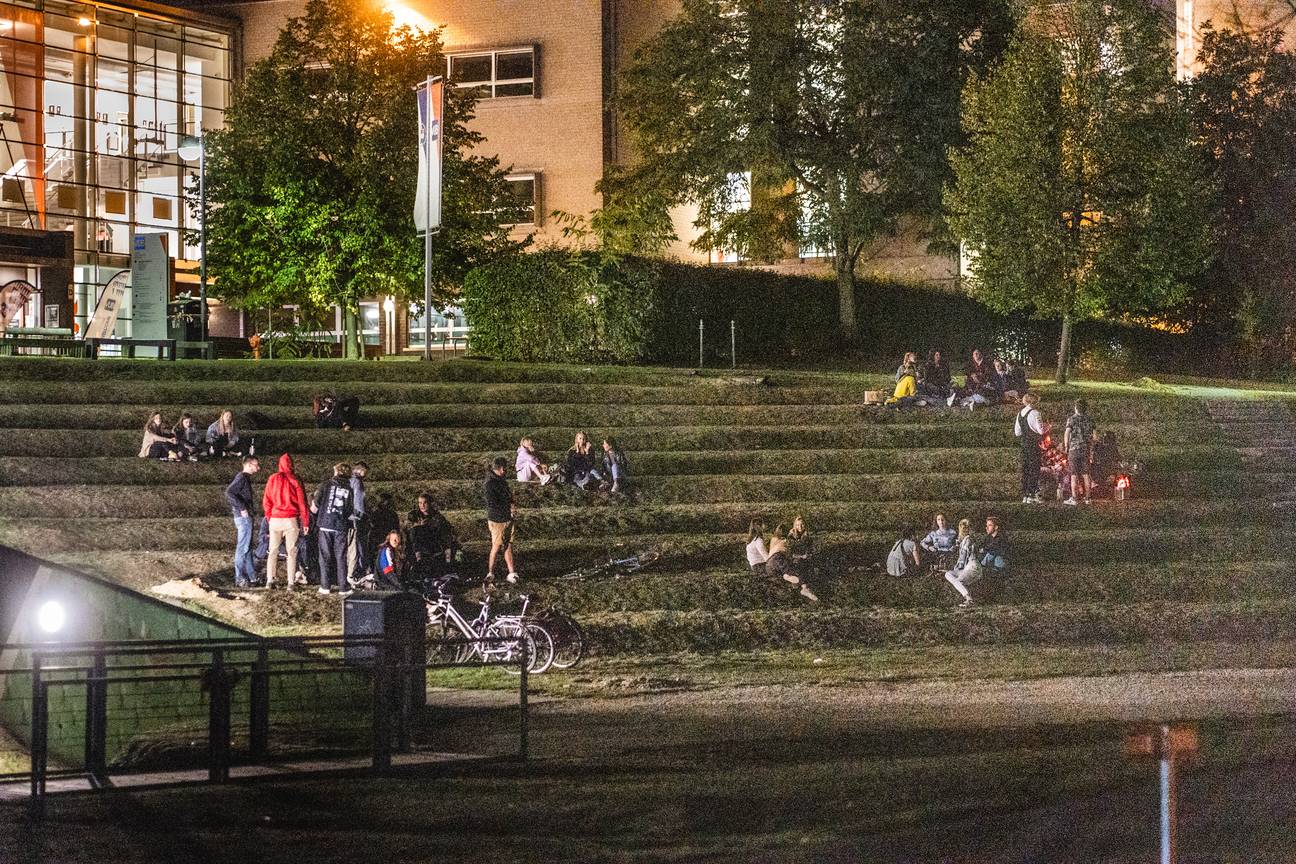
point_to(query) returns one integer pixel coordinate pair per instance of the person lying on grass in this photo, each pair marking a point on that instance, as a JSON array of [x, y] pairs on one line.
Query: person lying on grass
[[159, 443], [757, 554], [528, 466], [779, 565], [333, 412]]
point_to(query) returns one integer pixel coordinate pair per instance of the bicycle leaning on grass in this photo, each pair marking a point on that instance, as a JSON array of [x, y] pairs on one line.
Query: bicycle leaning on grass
[[452, 636]]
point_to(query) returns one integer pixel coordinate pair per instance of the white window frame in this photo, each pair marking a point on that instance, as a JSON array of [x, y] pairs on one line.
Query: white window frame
[[495, 81]]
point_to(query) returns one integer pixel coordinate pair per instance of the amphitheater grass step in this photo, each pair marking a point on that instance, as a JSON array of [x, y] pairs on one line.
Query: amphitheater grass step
[[1108, 624]]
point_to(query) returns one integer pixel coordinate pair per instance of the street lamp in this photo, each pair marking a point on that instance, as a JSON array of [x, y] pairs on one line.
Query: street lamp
[[194, 147]]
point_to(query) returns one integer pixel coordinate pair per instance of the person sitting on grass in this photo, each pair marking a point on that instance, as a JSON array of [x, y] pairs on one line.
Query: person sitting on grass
[[908, 365], [225, 439], [1015, 385], [779, 564], [187, 436], [967, 569], [757, 554], [580, 461], [332, 412], [902, 553], [1077, 441], [391, 569], [433, 544], [935, 381], [978, 385], [994, 549], [942, 540], [616, 467], [528, 465], [906, 388], [799, 542], [159, 443]]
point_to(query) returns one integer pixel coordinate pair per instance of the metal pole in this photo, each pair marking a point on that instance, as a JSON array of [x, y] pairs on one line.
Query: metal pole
[[1168, 821], [524, 663], [202, 232], [427, 227], [701, 363], [733, 343], [259, 706]]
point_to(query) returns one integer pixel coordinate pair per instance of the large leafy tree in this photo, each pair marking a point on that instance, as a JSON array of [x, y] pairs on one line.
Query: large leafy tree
[[1244, 116], [789, 122], [1078, 194], [311, 183]]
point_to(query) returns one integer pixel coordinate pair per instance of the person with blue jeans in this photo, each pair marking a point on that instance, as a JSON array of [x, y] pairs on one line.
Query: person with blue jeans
[[616, 467], [241, 502]]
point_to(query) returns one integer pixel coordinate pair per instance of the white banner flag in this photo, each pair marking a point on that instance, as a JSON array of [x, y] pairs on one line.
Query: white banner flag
[[431, 108], [109, 307], [13, 297]]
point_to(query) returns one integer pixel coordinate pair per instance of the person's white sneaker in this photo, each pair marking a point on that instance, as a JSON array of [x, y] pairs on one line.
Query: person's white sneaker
[[511, 578], [966, 604], [950, 400], [546, 480], [1071, 502], [323, 590]]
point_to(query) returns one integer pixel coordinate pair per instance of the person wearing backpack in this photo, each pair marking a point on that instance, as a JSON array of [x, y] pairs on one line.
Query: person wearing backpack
[[334, 503], [902, 554], [1030, 430]]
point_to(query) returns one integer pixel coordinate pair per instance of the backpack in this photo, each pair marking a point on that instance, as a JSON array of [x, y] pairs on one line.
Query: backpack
[[898, 558]]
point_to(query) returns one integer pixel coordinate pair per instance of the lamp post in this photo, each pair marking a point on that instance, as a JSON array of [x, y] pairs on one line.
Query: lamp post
[[195, 147]]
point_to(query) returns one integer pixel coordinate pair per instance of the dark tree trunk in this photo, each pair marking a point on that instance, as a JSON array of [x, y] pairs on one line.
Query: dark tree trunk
[[351, 349], [847, 323], [1064, 352]]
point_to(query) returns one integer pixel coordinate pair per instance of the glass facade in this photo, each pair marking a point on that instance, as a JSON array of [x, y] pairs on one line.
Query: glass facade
[[93, 103]]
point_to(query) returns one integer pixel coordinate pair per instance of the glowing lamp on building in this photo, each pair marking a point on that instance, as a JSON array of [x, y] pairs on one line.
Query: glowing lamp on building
[[51, 617]]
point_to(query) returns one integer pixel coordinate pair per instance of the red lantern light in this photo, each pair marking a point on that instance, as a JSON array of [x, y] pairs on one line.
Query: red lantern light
[[1123, 481]]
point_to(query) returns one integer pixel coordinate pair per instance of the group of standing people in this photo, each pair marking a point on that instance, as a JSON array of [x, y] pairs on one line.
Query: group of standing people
[[1085, 453]]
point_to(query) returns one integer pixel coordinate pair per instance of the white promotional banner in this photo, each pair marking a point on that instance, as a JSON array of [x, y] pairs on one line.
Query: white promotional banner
[[150, 286], [13, 297], [109, 307], [431, 108]]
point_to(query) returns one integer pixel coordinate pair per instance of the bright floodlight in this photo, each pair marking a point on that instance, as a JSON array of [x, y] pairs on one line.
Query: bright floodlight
[[191, 147], [51, 616]]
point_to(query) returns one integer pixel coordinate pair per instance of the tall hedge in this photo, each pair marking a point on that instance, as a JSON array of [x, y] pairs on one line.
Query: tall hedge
[[534, 307]]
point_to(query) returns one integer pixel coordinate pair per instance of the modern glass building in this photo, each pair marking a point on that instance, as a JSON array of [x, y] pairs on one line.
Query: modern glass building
[[94, 100]]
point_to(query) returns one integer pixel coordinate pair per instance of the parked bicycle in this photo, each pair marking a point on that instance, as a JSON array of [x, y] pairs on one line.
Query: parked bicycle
[[447, 625], [614, 566]]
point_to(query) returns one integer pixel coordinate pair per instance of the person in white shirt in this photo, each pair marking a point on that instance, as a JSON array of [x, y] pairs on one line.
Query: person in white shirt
[[757, 554], [1030, 431], [942, 540]]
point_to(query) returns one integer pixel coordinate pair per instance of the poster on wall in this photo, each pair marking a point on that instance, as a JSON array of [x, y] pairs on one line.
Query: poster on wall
[[52, 315], [109, 307], [13, 297], [150, 286]]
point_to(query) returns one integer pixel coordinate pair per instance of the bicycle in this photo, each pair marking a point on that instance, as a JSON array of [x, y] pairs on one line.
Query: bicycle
[[568, 638], [447, 624], [614, 567]]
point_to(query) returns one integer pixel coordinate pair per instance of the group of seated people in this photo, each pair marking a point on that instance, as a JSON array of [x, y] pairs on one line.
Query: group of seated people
[[605, 471], [930, 383], [962, 556], [186, 440], [787, 556]]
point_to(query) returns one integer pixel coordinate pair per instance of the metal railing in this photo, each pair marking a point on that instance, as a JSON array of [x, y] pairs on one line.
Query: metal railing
[[225, 665]]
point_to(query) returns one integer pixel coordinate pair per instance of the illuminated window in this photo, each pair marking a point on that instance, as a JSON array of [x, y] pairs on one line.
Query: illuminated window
[[494, 74], [523, 194]]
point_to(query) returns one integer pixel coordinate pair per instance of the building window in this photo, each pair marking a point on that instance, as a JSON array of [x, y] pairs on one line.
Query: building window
[[369, 315], [524, 199], [494, 74]]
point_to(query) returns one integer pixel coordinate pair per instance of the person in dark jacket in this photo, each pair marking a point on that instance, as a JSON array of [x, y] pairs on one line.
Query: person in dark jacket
[[500, 513], [334, 503], [240, 497], [935, 381], [432, 541], [994, 548], [383, 519], [333, 412], [189, 438], [359, 552]]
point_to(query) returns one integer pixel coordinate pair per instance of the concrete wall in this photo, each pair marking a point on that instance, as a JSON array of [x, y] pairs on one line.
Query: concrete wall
[[100, 610]]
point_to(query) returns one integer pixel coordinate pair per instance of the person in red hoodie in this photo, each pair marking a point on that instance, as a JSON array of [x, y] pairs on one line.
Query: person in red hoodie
[[284, 504]]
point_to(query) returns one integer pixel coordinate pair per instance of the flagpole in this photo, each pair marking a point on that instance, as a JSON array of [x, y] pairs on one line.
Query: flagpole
[[427, 227]]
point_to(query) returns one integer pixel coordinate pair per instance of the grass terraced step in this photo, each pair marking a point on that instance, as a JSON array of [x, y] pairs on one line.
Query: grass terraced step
[[1197, 553]]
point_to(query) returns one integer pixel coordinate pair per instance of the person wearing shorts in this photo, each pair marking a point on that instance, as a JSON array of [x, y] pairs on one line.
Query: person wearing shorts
[[1077, 443], [500, 513]]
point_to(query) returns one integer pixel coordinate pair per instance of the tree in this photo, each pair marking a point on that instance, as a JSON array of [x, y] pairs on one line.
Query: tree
[[311, 183], [803, 122], [1077, 194], [1244, 117]]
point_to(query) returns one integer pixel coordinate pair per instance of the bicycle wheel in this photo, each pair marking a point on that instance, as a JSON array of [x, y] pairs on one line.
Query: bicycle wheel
[[543, 656], [569, 641], [506, 653], [438, 651]]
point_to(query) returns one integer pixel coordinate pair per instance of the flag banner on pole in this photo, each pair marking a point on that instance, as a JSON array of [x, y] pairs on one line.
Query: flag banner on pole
[[431, 107], [104, 320]]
